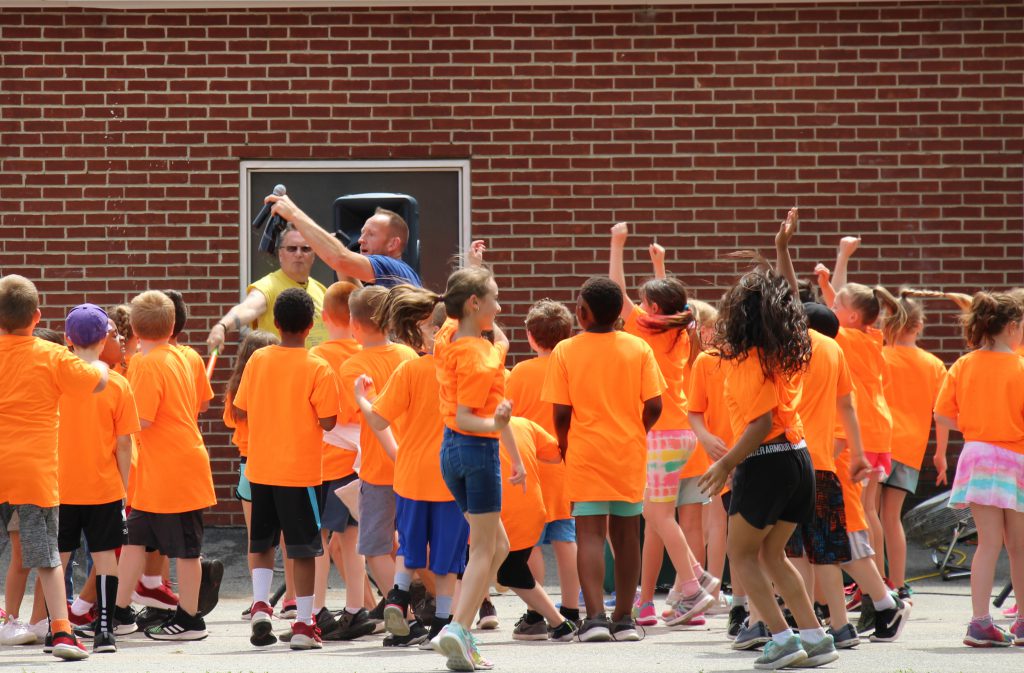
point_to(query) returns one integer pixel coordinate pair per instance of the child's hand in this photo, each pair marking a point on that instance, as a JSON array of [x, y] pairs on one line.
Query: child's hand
[[502, 414], [822, 272], [620, 232], [787, 229], [363, 386], [712, 481], [475, 257], [657, 253], [940, 470], [518, 476], [715, 446], [860, 468], [848, 245]]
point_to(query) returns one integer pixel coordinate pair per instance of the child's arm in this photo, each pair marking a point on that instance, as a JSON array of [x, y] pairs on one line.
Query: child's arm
[[364, 388], [783, 260], [859, 466], [652, 412], [475, 256], [469, 422], [124, 458], [847, 246], [941, 443], [562, 417], [715, 446], [657, 254], [518, 475], [615, 269], [757, 430], [949, 423], [828, 293]]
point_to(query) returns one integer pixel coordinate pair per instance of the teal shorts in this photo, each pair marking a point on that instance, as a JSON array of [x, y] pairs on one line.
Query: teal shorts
[[607, 507]]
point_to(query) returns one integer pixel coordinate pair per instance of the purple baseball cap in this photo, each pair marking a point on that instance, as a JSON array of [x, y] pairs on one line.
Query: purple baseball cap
[[86, 324]]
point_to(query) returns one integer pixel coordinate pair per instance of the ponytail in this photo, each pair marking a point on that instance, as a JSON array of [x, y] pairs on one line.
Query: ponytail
[[898, 317], [989, 315]]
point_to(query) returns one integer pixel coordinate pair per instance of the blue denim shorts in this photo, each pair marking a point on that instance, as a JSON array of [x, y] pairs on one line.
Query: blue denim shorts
[[472, 470]]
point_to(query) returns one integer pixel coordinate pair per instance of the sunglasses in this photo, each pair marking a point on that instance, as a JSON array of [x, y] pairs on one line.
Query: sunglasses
[[304, 249]]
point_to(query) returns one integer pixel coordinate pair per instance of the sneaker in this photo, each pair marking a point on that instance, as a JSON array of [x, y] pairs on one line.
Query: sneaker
[[1010, 612], [41, 629], [104, 641], [596, 630], [866, 622], [48, 643], [987, 635], [161, 597], [889, 623], [696, 621], [787, 614], [85, 619], [780, 656], [737, 615], [377, 615], [645, 614], [326, 622], [905, 593], [289, 609], [305, 637], [351, 626], [624, 630], [721, 606], [708, 582], [855, 601], [1017, 631], [125, 622], [527, 630], [261, 625], [689, 607], [147, 617], [67, 646], [246, 613], [752, 637], [395, 610], [209, 585], [182, 626], [488, 620], [845, 638], [455, 645], [564, 632], [417, 634], [17, 632], [822, 614], [821, 653], [437, 624], [480, 663]]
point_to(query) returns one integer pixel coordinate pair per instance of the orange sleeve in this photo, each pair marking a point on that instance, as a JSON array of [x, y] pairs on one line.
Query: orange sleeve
[[126, 416], [325, 392], [946, 404], [546, 445], [556, 383], [697, 395], [148, 390], [845, 383], [473, 381], [229, 420], [396, 398], [204, 391], [652, 383], [74, 375]]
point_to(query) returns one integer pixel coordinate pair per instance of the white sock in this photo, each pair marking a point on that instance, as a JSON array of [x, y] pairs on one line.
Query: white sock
[[812, 636], [262, 578], [887, 603], [782, 637], [80, 607], [304, 609], [152, 581], [352, 611]]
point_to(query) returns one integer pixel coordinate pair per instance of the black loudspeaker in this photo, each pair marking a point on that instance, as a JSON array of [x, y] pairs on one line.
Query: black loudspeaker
[[352, 211]]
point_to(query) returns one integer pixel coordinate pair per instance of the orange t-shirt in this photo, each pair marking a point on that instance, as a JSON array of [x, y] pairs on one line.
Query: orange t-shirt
[[984, 392], [863, 351], [826, 379], [474, 377], [87, 443], [749, 395], [915, 376], [204, 392], [672, 351], [338, 462], [605, 378], [855, 519], [35, 374], [284, 393], [523, 514], [706, 394], [173, 471], [379, 363], [240, 426], [524, 387], [410, 398]]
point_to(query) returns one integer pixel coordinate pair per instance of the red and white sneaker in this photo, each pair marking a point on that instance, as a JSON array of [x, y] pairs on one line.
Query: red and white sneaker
[[305, 637], [261, 624], [67, 646], [288, 610], [162, 597], [82, 620]]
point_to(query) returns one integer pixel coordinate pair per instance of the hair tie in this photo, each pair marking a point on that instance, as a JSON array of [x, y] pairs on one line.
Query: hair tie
[[686, 307]]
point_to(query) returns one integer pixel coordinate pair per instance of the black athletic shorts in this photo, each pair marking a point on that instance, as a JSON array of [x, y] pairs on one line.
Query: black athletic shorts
[[292, 510], [515, 572], [104, 527], [178, 535], [824, 539], [334, 514], [775, 483]]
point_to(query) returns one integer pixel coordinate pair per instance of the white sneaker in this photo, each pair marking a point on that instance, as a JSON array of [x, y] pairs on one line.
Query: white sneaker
[[40, 628], [16, 632], [721, 606]]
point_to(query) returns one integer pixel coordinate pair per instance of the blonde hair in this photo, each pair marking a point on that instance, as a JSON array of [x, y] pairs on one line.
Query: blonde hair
[[870, 302], [989, 315], [152, 315], [703, 312], [363, 305], [336, 301], [19, 301]]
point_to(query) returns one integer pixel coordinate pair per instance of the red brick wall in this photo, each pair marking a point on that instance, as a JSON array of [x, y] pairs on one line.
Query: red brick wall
[[122, 132]]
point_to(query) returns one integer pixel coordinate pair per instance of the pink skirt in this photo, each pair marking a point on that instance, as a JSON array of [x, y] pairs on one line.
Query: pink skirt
[[988, 475]]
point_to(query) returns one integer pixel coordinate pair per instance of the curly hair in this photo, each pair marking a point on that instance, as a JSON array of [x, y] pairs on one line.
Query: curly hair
[[760, 312], [990, 313]]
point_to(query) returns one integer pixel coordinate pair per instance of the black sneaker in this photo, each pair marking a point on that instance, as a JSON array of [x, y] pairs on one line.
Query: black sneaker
[[425, 608], [182, 626], [488, 620], [790, 619], [596, 630], [737, 615], [326, 622], [209, 585], [822, 613], [564, 632], [104, 642], [866, 621], [395, 610], [436, 624], [417, 634], [352, 626], [624, 630], [889, 623], [148, 617], [572, 614], [904, 593], [377, 616], [125, 622], [48, 643]]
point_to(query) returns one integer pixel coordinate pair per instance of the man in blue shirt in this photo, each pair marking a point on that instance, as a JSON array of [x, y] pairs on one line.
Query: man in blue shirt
[[381, 244]]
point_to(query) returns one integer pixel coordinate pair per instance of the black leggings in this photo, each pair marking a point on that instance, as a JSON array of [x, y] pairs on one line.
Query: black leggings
[[515, 572]]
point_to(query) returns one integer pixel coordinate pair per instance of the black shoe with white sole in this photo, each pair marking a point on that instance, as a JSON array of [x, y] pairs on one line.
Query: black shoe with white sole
[[182, 626], [889, 623]]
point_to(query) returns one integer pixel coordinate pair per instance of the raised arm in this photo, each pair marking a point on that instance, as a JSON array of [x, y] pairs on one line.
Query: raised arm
[[657, 253], [324, 244], [620, 232], [847, 246], [828, 293], [252, 307], [783, 260]]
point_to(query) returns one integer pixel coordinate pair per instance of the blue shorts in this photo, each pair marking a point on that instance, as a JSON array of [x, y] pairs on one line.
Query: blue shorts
[[334, 515], [439, 525], [563, 530], [243, 490], [472, 471]]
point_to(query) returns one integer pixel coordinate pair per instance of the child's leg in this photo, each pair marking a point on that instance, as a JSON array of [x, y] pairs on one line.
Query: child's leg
[[445, 595], [895, 537], [354, 565], [39, 611], [190, 573], [1014, 536], [515, 574], [129, 570], [714, 531], [289, 573], [661, 519], [382, 569], [305, 579], [991, 524], [487, 551], [52, 581], [806, 571], [247, 515], [651, 557], [17, 578], [590, 536], [870, 498], [865, 573], [321, 571], [784, 576], [691, 522], [830, 579], [744, 556], [537, 564], [88, 592], [568, 575], [104, 584], [624, 532]]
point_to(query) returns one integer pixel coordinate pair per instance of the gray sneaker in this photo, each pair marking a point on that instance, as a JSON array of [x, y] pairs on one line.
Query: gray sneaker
[[689, 607], [752, 636], [845, 637], [821, 653], [780, 656], [524, 630]]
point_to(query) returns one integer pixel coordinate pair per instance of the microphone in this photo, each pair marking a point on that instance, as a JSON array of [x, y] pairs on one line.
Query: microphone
[[261, 216]]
